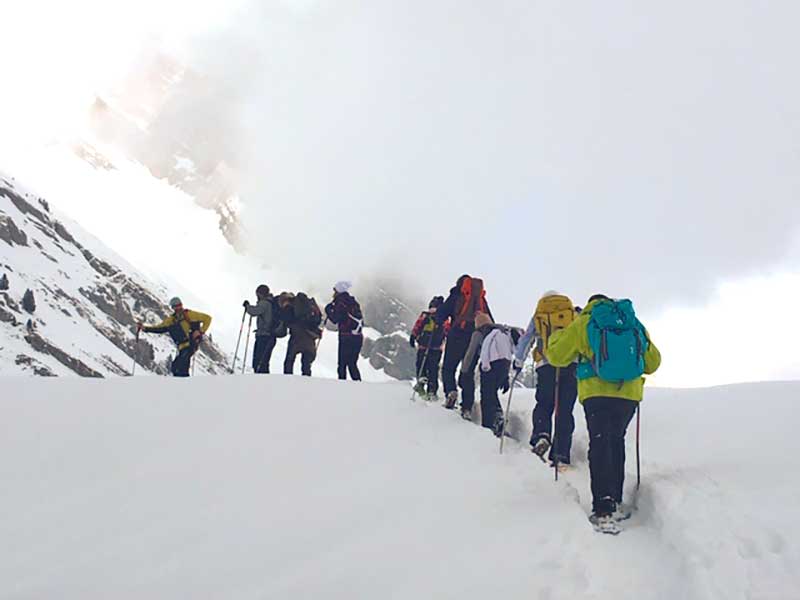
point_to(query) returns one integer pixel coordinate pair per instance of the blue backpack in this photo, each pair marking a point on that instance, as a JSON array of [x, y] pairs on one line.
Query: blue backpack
[[618, 342]]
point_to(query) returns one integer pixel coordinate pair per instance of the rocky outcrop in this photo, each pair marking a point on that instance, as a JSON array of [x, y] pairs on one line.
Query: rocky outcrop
[[40, 344], [393, 355], [10, 233], [28, 362]]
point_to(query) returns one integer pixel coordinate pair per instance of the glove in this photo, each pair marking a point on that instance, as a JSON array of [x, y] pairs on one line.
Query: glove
[[246, 303], [518, 365], [197, 336], [139, 326], [505, 386], [412, 341]]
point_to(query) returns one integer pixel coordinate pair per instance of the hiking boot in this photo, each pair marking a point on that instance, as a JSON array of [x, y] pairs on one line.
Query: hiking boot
[[466, 413], [432, 397], [419, 387], [604, 523], [540, 447], [450, 401], [499, 425]]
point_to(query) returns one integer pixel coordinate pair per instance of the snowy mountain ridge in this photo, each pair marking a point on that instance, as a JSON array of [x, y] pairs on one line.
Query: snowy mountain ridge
[[86, 300]]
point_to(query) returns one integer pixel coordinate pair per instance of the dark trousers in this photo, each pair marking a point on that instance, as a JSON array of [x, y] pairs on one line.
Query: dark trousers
[[454, 352], [491, 382], [545, 407], [307, 357], [262, 353], [349, 351], [182, 362], [430, 370], [607, 420]]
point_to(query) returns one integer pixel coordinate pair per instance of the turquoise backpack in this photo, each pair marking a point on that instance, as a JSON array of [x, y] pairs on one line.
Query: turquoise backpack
[[618, 342]]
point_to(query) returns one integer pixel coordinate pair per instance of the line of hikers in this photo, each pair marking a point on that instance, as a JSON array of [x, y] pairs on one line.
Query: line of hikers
[[598, 355], [295, 315]]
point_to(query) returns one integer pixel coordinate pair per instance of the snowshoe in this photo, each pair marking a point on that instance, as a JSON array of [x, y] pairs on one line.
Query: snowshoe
[[450, 401], [604, 524], [540, 447], [432, 397], [419, 388], [562, 467]]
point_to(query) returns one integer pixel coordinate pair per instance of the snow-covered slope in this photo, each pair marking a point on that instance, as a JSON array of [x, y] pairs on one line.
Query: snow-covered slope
[[87, 299], [172, 241], [277, 487]]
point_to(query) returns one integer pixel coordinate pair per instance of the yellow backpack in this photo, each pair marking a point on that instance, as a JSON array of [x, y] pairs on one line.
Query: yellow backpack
[[552, 313]]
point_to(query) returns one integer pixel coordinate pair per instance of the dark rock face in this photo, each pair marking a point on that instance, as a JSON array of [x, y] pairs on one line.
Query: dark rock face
[[28, 301], [391, 312], [10, 233], [393, 354], [33, 364], [387, 311], [40, 344]]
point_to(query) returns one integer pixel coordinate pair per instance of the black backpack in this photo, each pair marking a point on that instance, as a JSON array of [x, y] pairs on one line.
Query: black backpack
[[307, 312], [278, 326]]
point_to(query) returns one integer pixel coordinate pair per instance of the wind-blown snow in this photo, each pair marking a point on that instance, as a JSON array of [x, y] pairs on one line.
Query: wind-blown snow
[[277, 487]]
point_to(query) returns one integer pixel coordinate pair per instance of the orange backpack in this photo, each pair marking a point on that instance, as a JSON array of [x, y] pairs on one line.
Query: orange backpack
[[472, 300]]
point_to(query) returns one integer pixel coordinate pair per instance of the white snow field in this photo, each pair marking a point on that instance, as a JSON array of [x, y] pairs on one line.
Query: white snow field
[[284, 487]]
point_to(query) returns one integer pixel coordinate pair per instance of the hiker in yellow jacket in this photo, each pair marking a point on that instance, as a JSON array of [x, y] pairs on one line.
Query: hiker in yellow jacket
[[186, 328], [609, 406]]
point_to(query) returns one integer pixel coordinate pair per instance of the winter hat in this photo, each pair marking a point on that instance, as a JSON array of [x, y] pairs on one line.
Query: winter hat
[[482, 319], [597, 297], [262, 291], [436, 302], [549, 293], [175, 302], [342, 286]]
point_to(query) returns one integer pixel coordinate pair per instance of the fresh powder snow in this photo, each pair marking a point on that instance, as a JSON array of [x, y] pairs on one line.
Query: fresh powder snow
[[289, 487]]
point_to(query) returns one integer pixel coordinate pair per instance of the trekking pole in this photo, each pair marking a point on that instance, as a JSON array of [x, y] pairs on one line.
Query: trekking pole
[[638, 426], [193, 361], [246, 343], [555, 423], [135, 348], [238, 341], [421, 369], [508, 409]]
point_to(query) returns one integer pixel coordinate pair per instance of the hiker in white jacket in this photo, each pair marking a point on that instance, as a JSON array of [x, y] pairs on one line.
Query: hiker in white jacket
[[493, 346]]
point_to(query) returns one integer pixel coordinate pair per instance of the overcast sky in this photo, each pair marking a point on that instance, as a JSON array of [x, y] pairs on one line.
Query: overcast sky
[[644, 149]]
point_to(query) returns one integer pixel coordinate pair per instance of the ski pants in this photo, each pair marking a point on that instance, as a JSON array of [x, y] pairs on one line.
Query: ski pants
[[307, 357], [429, 370], [262, 353], [491, 382], [607, 420], [182, 362], [545, 407], [454, 352], [349, 351]]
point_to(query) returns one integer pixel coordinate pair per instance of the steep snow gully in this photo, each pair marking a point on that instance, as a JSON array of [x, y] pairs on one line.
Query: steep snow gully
[[279, 487]]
